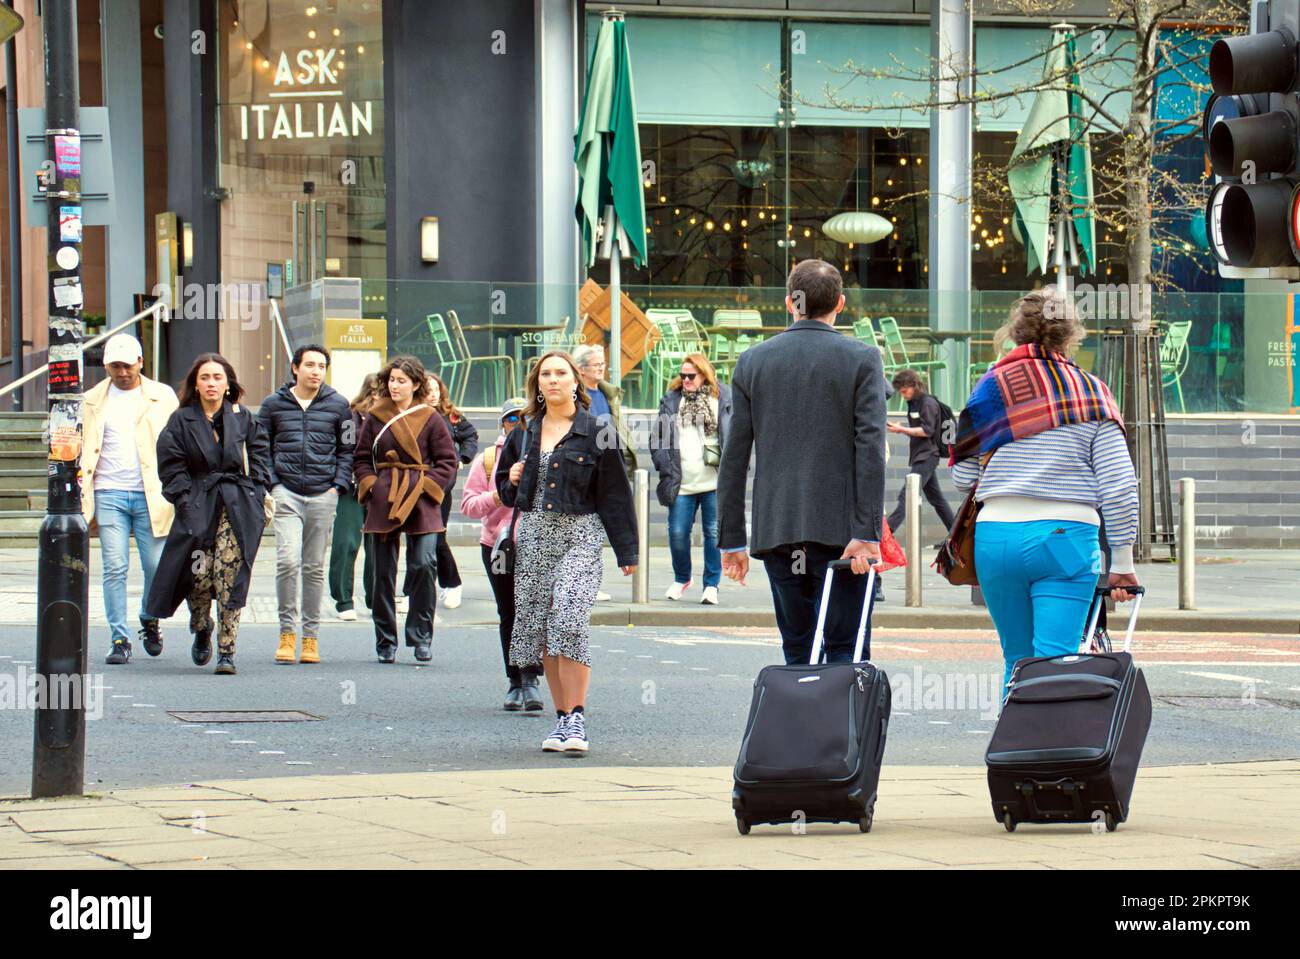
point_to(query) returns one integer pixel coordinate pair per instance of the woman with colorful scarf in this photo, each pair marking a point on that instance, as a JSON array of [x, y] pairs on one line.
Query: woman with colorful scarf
[[1045, 442], [686, 447]]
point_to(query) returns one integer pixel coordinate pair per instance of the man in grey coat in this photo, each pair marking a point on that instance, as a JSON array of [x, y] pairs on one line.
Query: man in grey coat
[[810, 404]]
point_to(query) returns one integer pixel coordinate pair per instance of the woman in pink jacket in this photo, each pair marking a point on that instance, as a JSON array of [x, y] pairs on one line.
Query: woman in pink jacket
[[480, 501]]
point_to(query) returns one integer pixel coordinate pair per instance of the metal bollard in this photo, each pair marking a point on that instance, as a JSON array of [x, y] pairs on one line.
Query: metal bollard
[[641, 502], [1187, 543], [912, 523]]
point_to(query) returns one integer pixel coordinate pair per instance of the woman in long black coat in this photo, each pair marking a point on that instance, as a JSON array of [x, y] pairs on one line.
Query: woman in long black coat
[[214, 463]]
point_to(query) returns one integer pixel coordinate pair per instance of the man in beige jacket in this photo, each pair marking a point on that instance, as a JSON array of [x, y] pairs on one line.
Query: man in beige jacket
[[120, 489]]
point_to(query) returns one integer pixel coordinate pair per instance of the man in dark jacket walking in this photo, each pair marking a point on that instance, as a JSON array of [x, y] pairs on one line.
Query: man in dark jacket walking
[[310, 428], [810, 403], [924, 424]]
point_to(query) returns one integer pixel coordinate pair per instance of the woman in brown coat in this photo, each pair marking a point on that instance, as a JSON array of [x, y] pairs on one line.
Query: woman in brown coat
[[404, 460]]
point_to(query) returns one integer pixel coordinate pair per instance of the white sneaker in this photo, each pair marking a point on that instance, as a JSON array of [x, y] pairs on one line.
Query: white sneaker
[[554, 743], [575, 734], [710, 597], [676, 590], [603, 597], [348, 615], [451, 597], [402, 604]]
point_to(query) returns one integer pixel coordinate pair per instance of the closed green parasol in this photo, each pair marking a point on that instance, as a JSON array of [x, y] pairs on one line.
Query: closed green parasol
[[1050, 173]]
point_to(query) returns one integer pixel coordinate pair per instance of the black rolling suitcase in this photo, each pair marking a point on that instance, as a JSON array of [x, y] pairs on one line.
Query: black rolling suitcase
[[1067, 745], [815, 736]]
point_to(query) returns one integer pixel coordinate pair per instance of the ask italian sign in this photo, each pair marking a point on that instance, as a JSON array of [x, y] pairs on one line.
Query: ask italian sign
[[307, 101]]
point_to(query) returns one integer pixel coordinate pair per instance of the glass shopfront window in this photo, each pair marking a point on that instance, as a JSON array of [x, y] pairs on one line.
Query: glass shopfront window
[[301, 140]]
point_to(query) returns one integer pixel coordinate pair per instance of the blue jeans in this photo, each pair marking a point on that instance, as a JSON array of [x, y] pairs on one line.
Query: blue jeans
[[119, 514], [1038, 580], [681, 520]]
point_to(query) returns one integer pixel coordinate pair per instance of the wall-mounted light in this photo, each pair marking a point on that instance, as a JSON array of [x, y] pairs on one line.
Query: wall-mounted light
[[429, 239], [187, 245]]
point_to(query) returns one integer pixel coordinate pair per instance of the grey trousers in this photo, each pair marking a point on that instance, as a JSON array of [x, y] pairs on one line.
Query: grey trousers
[[302, 534]]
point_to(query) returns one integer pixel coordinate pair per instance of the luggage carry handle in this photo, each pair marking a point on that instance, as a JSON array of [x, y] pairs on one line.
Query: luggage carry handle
[[818, 636], [1094, 611]]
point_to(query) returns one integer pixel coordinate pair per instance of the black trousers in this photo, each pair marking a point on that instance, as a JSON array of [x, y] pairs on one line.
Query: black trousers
[[421, 569], [503, 589], [448, 574], [796, 574], [930, 489]]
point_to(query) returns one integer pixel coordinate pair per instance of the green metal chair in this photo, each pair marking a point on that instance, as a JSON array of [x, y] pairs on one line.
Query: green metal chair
[[893, 354], [679, 336], [449, 364], [1174, 357], [896, 350], [456, 362]]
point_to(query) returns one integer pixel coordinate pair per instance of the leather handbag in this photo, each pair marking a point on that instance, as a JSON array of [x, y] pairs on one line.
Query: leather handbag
[[955, 561]]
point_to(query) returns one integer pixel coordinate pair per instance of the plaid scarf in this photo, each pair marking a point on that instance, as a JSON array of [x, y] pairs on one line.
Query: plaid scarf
[[1029, 391]]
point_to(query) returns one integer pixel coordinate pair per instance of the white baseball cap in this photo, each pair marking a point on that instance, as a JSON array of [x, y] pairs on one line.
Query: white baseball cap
[[123, 348]]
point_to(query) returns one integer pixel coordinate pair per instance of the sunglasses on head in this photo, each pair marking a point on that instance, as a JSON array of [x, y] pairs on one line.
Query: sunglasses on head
[[689, 376]]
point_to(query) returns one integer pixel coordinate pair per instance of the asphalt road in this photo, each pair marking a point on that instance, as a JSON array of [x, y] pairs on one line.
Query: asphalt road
[[659, 697]]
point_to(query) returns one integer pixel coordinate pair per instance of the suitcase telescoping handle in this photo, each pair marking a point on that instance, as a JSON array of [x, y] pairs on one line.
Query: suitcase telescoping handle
[[1095, 611], [868, 604]]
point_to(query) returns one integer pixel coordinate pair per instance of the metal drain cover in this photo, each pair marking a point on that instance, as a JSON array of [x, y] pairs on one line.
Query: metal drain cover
[[246, 716], [1224, 702]]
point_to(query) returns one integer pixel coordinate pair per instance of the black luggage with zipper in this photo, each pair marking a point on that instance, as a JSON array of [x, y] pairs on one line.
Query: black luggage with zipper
[[815, 737], [1067, 745]]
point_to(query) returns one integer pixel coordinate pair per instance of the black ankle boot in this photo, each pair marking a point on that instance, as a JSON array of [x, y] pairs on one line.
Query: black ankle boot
[[201, 651], [225, 665]]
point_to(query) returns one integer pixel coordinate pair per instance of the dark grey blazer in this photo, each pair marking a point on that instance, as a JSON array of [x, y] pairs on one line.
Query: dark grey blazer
[[810, 403]]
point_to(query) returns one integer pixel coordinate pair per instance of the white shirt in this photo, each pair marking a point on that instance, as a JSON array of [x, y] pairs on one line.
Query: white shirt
[[696, 477], [119, 461]]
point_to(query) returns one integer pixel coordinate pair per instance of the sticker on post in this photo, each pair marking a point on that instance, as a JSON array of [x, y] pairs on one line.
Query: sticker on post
[[65, 430], [67, 292], [67, 156], [67, 258], [70, 224], [65, 376]]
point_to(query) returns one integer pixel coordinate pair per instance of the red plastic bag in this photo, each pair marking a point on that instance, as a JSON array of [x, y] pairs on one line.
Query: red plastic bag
[[891, 554]]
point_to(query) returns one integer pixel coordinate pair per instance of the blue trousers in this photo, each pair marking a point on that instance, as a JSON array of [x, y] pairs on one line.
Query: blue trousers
[[120, 514], [681, 520], [1038, 580]]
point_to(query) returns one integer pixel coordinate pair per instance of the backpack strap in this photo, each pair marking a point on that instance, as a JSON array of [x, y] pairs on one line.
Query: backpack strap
[[489, 461]]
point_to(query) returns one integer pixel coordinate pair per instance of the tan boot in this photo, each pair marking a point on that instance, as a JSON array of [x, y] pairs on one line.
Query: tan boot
[[288, 650], [309, 653]]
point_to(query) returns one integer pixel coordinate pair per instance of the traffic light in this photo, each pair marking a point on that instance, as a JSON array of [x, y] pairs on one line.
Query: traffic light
[[1251, 130]]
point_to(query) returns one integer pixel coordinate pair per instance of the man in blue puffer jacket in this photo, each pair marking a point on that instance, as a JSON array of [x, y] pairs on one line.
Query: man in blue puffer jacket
[[311, 432]]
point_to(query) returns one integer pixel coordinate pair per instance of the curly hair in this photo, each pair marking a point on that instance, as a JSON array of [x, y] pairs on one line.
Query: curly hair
[[1044, 317], [445, 406], [414, 371]]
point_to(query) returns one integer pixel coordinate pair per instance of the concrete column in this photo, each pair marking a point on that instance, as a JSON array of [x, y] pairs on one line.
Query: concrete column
[[557, 178], [120, 32], [951, 53]]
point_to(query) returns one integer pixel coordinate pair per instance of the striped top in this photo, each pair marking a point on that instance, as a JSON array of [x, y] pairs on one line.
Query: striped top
[[1078, 463]]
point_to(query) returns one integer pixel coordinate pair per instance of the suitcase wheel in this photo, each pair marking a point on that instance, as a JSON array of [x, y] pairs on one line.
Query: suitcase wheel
[[1008, 823], [1111, 824], [864, 824], [742, 826]]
